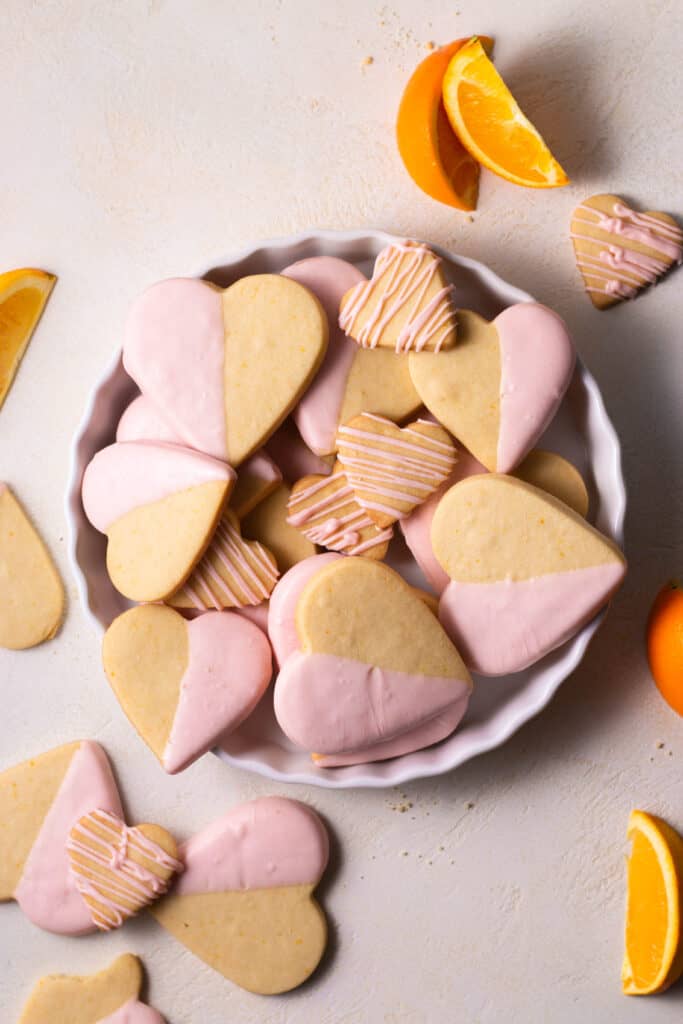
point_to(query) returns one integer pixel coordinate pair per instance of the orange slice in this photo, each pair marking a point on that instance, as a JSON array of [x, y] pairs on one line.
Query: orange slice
[[653, 957], [492, 128], [23, 294], [665, 644], [433, 156]]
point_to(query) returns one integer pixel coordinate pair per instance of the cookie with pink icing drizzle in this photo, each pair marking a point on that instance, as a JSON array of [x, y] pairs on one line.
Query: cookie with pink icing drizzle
[[183, 684], [407, 305], [619, 251]]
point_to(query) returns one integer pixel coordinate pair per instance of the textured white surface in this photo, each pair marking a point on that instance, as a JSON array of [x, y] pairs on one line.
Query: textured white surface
[[140, 139]]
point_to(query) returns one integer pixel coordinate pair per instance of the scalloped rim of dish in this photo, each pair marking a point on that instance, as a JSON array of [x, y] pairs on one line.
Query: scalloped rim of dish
[[438, 759]]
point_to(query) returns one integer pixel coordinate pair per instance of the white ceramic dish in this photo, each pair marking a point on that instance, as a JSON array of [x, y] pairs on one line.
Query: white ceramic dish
[[581, 431]]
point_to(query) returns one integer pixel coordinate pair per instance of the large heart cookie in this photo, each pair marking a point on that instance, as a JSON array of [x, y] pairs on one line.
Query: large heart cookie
[[392, 469], [31, 591], [233, 572], [620, 251], [119, 870], [526, 571], [407, 305], [351, 379], [326, 510], [39, 802], [373, 663], [183, 684], [500, 386], [158, 505], [109, 997], [225, 367], [244, 903]]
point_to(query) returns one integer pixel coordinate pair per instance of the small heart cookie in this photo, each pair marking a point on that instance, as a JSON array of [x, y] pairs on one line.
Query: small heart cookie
[[158, 505], [267, 523], [39, 802], [109, 997], [620, 251], [407, 305], [392, 469], [244, 903], [328, 513], [500, 386], [184, 683], [373, 663], [225, 367], [31, 591], [526, 571], [351, 379], [119, 870], [233, 572]]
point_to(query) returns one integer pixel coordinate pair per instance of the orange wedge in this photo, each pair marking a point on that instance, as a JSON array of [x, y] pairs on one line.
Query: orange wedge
[[653, 957], [23, 294], [492, 128], [433, 156]]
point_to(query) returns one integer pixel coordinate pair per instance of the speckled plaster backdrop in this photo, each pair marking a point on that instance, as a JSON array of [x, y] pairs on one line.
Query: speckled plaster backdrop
[[145, 139]]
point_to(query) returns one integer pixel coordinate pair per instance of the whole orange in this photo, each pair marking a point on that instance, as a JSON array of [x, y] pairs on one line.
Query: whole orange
[[665, 644]]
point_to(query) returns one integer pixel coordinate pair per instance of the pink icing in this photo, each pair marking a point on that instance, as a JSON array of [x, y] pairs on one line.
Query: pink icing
[[317, 414], [329, 705], [417, 527], [133, 1012], [126, 476], [174, 349], [262, 844], [283, 602], [334, 531], [47, 891], [261, 466], [537, 361], [638, 227], [506, 626], [142, 421], [292, 456], [256, 613], [228, 672]]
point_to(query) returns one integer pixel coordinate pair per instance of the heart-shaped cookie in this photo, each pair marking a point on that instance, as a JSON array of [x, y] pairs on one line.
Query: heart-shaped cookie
[[500, 386], [159, 505], [373, 663], [109, 997], [267, 523], [619, 251], [31, 591], [244, 903], [392, 469], [142, 421], [119, 870], [233, 572], [407, 305], [225, 367], [184, 683], [327, 512], [526, 571], [39, 802], [351, 380]]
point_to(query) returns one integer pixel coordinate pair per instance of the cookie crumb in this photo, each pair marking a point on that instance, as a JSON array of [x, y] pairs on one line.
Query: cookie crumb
[[469, 805], [367, 61], [470, 218], [404, 853], [430, 45], [660, 744]]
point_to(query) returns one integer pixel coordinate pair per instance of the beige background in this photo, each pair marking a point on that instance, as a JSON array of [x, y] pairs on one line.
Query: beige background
[[144, 139]]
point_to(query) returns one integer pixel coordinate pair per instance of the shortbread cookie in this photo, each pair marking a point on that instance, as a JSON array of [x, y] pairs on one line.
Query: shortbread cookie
[[244, 903], [498, 389], [373, 662], [142, 421], [351, 380], [620, 251], [557, 476], [225, 367], [31, 591], [119, 870], [526, 571], [234, 572], [111, 996], [159, 505], [407, 305], [39, 802], [292, 455], [184, 683], [327, 512], [268, 524], [283, 601], [256, 479], [393, 469]]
